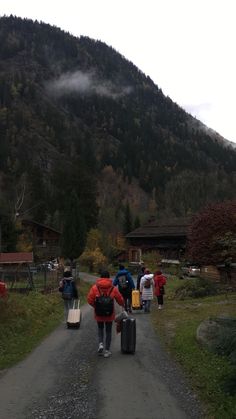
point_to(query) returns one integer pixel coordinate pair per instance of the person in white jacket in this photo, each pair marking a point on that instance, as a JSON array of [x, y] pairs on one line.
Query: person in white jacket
[[146, 290]]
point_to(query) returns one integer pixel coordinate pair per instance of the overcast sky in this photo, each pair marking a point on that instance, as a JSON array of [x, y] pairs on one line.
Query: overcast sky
[[187, 47]]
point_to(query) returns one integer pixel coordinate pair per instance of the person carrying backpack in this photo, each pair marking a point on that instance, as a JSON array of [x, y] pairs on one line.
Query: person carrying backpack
[[146, 290], [101, 297], [125, 283], [68, 291]]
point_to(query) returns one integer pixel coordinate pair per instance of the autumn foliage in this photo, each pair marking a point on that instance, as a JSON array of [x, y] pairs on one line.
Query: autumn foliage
[[212, 234], [92, 257]]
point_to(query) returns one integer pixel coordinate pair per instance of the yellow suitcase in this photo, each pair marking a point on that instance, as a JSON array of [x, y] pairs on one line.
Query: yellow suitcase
[[136, 301]]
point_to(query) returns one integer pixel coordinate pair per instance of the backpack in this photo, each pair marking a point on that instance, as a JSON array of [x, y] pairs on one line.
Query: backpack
[[104, 304], [123, 282], [147, 283], [68, 290]]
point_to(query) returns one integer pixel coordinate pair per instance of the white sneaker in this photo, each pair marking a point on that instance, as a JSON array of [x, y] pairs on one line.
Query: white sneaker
[[107, 353], [159, 307], [100, 348]]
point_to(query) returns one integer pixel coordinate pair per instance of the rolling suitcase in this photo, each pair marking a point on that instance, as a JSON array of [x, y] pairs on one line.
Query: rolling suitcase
[[74, 316], [136, 302], [128, 335]]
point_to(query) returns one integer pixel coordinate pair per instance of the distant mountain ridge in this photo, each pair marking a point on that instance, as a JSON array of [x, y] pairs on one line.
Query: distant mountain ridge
[[74, 112]]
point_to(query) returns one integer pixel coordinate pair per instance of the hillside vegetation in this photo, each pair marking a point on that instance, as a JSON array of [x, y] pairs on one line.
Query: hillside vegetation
[[74, 113]]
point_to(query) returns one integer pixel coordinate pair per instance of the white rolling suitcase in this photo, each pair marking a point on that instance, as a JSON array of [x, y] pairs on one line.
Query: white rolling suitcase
[[74, 316]]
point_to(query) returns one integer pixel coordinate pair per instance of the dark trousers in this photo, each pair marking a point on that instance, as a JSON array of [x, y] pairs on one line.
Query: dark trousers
[[160, 300], [127, 297], [108, 326]]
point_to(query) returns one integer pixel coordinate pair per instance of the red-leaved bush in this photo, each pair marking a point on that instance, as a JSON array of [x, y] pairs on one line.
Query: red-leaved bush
[[212, 234]]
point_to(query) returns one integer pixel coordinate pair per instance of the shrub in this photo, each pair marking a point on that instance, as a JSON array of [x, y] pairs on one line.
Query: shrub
[[152, 260], [226, 343], [195, 288], [228, 384], [93, 259]]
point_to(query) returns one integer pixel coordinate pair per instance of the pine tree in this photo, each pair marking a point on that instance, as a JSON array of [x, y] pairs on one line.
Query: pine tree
[[74, 229], [8, 234], [136, 222], [127, 224]]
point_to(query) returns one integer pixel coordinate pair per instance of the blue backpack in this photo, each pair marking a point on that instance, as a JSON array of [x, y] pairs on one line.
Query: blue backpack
[[123, 282], [68, 290]]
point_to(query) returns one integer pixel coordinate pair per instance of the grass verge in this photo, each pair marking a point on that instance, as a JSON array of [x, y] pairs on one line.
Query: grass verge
[[26, 319], [208, 372]]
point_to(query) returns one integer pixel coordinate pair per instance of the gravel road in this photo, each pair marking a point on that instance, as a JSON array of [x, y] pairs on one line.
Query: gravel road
[[64, 378]]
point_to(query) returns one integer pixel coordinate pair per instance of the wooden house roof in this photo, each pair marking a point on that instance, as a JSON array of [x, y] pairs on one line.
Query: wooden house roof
[[19, 257], [174, 227], [32, 222]]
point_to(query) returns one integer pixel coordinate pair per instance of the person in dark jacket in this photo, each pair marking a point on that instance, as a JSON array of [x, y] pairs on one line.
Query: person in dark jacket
[[125, 284], [140, 275], [68, 291], [104, 286]]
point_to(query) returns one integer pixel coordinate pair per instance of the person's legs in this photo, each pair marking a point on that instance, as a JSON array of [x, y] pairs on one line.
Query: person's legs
[[148, 305], [129, 303], [108, 335], [126, 301], [66, 309], [107, 352], [145, 306], [100, 336], [160, 301], [71, 303]]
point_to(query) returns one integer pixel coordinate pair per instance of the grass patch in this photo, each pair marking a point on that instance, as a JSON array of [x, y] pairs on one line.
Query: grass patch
[[83, 288], [212, 376], [26, 319]]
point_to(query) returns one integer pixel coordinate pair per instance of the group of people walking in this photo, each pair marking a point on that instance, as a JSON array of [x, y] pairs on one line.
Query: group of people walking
[[149, 285], [105, 291]]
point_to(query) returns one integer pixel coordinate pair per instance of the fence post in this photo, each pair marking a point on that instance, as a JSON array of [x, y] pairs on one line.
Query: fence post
[[45, 277]]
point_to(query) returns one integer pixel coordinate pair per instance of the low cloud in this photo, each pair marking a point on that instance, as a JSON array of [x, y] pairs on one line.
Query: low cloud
[[198, 109], [85, 84]]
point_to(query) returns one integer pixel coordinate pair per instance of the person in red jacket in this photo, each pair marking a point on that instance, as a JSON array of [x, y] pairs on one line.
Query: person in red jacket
[[159, 281], [104, 311]]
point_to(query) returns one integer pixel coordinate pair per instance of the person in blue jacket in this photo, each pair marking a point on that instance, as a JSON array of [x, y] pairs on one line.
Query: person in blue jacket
[[68, 291], [125, 283]]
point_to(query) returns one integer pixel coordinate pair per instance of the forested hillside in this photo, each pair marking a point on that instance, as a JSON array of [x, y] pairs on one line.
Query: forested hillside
[[75, 114]]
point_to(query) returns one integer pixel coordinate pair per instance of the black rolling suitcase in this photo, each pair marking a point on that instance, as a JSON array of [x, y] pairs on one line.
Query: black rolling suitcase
[[128, 335]]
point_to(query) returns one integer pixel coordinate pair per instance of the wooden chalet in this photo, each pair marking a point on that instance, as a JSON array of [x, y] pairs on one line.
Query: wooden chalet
[[45, 240], [15, 258], [220, 273], [16, 266], [167, 237]]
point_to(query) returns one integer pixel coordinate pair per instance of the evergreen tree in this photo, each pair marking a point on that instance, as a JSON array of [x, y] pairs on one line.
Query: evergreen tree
[[8, 234], [136, 222], [127, 224], [68, 138], [74, 229]]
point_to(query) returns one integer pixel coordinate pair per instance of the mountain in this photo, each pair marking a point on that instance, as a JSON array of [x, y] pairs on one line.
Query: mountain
[[76, 115]]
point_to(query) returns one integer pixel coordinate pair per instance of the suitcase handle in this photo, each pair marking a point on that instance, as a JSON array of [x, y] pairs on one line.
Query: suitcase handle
[[76, 302]]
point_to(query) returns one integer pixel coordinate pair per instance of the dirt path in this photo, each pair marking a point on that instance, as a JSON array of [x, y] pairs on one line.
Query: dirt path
[[64, 378], [144, 385]]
